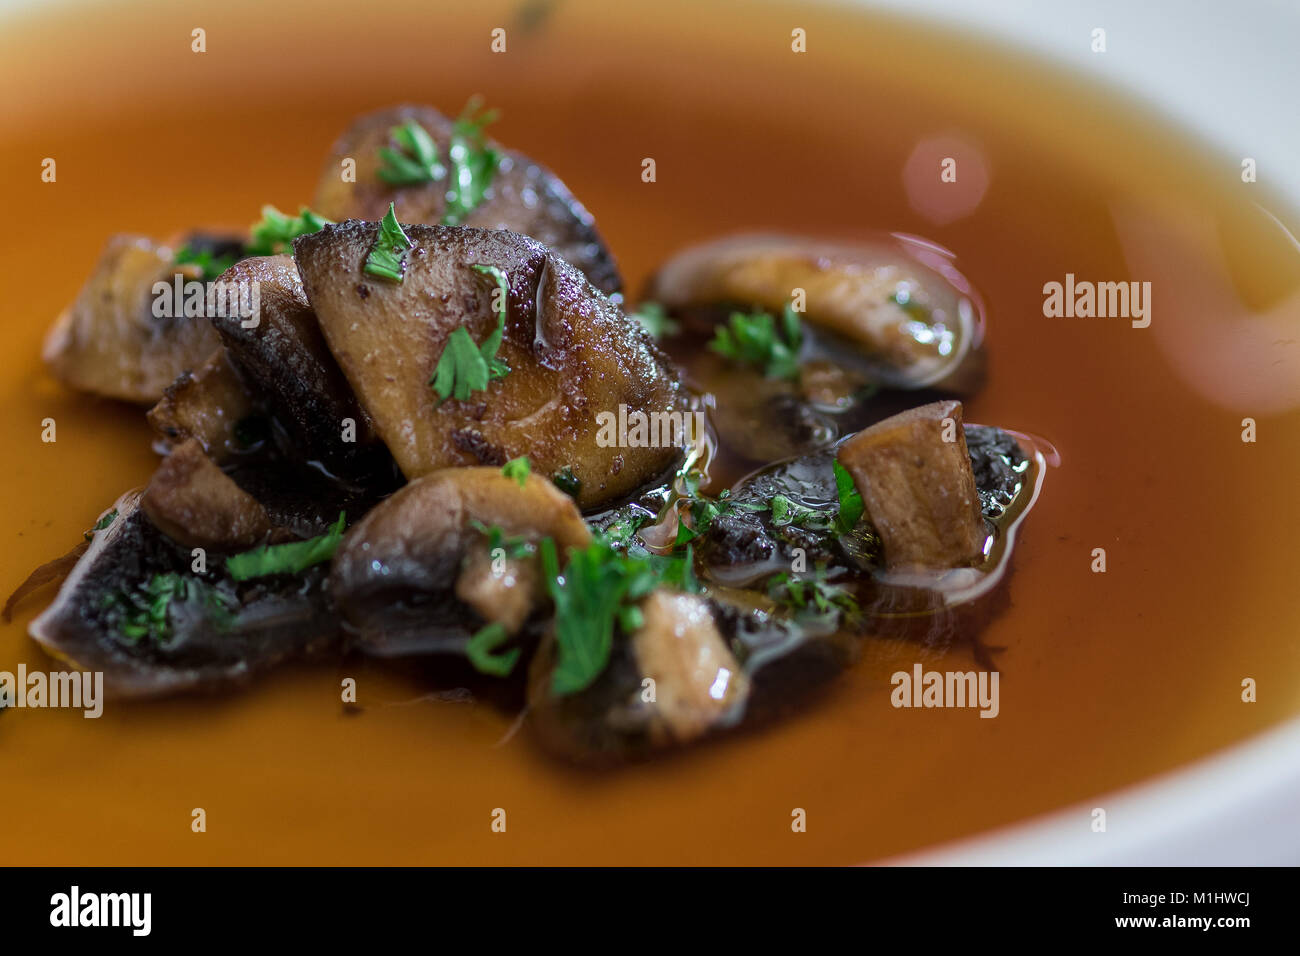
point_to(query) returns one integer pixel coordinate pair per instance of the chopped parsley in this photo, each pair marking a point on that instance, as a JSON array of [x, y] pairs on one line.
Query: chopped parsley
[[210, 265], [519, 469], [388, 257], [414, 161], [473, 162], [851, 506], [787, 512], [755, 339], [144, 611], [274, 234], [812, 592], [597, 592], [652, 317], [514, 548], [291, 558], [101, 524], [465, 368], [481, 647]]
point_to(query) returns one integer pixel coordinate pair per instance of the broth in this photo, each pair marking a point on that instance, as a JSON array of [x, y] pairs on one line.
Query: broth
[[1106, 679]]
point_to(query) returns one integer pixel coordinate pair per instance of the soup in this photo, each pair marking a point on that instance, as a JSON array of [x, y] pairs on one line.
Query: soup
[[1106, 678]]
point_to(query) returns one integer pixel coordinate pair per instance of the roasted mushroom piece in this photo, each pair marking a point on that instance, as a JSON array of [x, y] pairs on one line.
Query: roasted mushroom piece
[[135, 608], [282, 356], [119, 338], [418, 574], [566, 353], [895, 310], [207, 406], [521, 195]]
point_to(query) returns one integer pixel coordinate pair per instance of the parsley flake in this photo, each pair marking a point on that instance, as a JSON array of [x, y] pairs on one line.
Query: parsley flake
[[388, 257]]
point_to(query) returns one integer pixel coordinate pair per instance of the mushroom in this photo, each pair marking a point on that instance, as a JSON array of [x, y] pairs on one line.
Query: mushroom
[[523, 197], [897, 302], [281, 353], [415, 576], [914, 473], [110, 341], [206, 405], [196, 504], [134, 608], [574, 360]]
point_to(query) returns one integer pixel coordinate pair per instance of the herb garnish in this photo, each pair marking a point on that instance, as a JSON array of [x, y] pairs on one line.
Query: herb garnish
[[414, 161], [291, 558], [811, 591], [101, 524], [273, 235], [388, 257], [654, 319], [463, 367], [144, 611], [567, 481], [210, 266], [480, 649], [754, 339], [473, 162], [519, 469], [851, 506], [599, 590]]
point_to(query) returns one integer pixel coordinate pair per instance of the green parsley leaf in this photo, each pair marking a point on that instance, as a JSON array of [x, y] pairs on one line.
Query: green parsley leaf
[[851, 506], [211, 266], [273, 235], [388, 257], [480, 650], [597, 591], [519, 469], [654, 319], [473, 162], [463, 367], [754, 339], [101, 524], [414, 161], [291, 558]]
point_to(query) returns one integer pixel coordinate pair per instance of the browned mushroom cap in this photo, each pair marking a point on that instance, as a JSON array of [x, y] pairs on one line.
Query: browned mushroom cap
[[205, 405], [572, 356], [405, 577], [899, 300], [282, 354], [110, 342], [196, 504], [524, 197]]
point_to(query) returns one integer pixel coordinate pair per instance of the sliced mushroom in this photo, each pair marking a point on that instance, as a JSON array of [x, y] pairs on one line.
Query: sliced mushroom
[[898, 302], [111, 342], [196, 504], [409, 577], [281, 353], [207, 406], [134, 609], [914, 473], [524, 197], [572, 356]]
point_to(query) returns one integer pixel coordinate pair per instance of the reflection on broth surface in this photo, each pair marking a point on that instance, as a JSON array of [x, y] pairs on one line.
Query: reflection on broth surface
[[1105, 678]]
